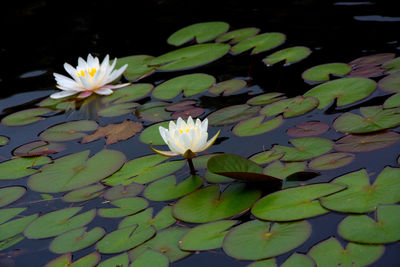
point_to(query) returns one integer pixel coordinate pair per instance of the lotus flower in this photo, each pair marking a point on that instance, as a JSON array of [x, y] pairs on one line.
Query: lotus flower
[[89, 77], [186, 138]]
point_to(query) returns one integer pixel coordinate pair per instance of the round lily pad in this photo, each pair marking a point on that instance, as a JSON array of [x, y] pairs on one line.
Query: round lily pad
[[193, 112], [392, 66], [168, 189], [189, 57], [144, 219], [367, 72], [76, 170], [364, 229], [25, 117], [390, 83], [264, 99], [360, 196], [15, 227], [331, 161], [372, 119], [322, 72], [279, 170], [237, 35], [190, 84], [232, 114], [290, 107], [68, 131], [153, 111], [206, 236], [10, 194], [346, 91], [213, 178], [38, 148], [392, 102], [367, 143], [58, 222], [256, 126], [264, 263], [259, 43], [331, 253], [65, 103], [3, 140], [299, 260], [256, 240], [21, 167], [294, 203], [209, 204], [137, 66], [129, 93], [309, 128], [75, 240], [181, 105], [288, 55], [122, 191], [84, 193], [304, 148], [151, 258], [372, 60], [227, 87], [151, 135], [201, 32], [117, 109], [266, 157], [119, 260], [126, 206], [90, 260]]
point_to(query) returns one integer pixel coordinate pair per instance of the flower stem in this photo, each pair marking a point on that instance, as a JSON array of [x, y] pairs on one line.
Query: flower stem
[[191, 166]]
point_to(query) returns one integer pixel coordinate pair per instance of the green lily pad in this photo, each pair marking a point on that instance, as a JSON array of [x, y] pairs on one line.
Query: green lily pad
[[209, 204], [372, 119], [323, 72], [168, 189], [237, 35], [290, 107], [279, 170], [266, 157], [206, 236], [68, 131], [9, 242], [38, 148], [165, 242], [227, 87], [213, 178], [21, 167], [151, 258], [360, 196], [256, 126], [190, 84], [331, 161], [65, 103], [259, 43], [304, 148], [201, 32], [294, 203], [3, 140], [144, 170], [231, 114], [189, 57], [264, 263], [392, 102], [144, 219], [346, 91], [264, 99], [331, 253], [256, 240], [84, 193], [15, 227], [392, 65], [309, 128], [129, 93], [75, 240], [117, 109], [390, 83], [58, 222], [7, 214], [138, 67], [25, 117], [364, 229], [76, 170], [124, 239], [89, 260], [122, 191], [367, 143], [10, 194], [295, 260], [126, 206], [119, 260], [153, 111], [151, 135], [237, 167], [289, 55]]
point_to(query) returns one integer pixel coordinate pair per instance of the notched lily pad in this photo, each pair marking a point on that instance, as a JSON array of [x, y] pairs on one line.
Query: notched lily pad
[[117, 109], [264, 99], [126, 206], [290, 107], [20, 167], [331, 161], [227, 87], [288, 55], [13, 228], [309, 128], [153, 111], [90, 260], [392, 102], [25, 117], [390, 83], [143, 219], [10, 194], [256, 126], [367, 143], [392, 66], [122, 191], [237, 35], [84, 193], [129, 93], [323, 72], [266, 157], [138, 67], [232, 114], [68, 131], [280, 170], [38, 148], [372, 60], [259, 43]]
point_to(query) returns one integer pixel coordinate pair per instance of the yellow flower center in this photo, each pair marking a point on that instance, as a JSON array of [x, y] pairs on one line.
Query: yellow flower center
[[91, 72], [182, 131]]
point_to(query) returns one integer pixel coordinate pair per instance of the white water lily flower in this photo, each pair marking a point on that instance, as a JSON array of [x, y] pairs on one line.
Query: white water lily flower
[[89, 77], [186, 138]]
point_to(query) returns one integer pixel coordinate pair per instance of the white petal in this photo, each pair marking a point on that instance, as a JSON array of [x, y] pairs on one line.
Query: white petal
[[104, 91], [186, 141], [85, 83], [204, 125], [211, 141], [198, 123], [116, 86], [116, 73], [72, 88], [164, 134], [62, 94], [179, 123], [165, 153], [190, 122], [81, 64]]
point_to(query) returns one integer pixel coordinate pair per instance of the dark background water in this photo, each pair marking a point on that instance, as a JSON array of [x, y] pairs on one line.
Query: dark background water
[[39, 36]]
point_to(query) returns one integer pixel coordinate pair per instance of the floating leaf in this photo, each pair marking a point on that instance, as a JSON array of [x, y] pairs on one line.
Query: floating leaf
[[21, 167], [266, 157], [367, 72], [206, 236], [294, 203], [65, 103], [4, 244], [76, 170], [323, 72], [237, 35], [58, 222], [151, 135], [119, 260], [331, 161], [84, 193], [290, 107], [392, 66], [153, 111], [168, 189], [129, 93], [227, 87], [201, 32], [193, 112], [255, 240], [331, 253], [38, 148], [299, 260], [126, 206], [68, 131], [260, 43], [232, 114], [279, 170], [256, 126], [151, 258], [345, 90], [115, 132], [264, 263], [75, 240], [372, 60], [10, 194], [181, 105], [209, 204], [189, 57], [367, 143], [364, 229], [309, 128], [289, 55], [265, 99], [360, 196], [373, 119], [213, 178], [89, 260], [392, 102], [117, 109], [25, 117], [144, 219], [121, 191], [15, 227], [190, 84], [390, 83], [137, 66], [7, 214], [3, 140]]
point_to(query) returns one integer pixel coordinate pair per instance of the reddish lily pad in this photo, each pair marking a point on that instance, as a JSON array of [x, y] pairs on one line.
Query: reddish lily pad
[[309, 128], [181, 106], [331, 161], [193, 112], [290, 107], [367, 72], [38, 148], [232, 114], [227, 87], [367, 143], [10, 194], [323, 72], [256, 126], [68, 131], [288, 55], [237, 35], [264, 99], [25, 117], [390, 83], [372, 60], [138, 67], [259, 43]]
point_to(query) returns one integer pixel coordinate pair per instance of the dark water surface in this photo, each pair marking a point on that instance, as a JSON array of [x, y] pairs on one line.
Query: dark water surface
[[39, 36]]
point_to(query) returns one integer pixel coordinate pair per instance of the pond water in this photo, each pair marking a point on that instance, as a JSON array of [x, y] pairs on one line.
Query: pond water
[[42, 39]]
